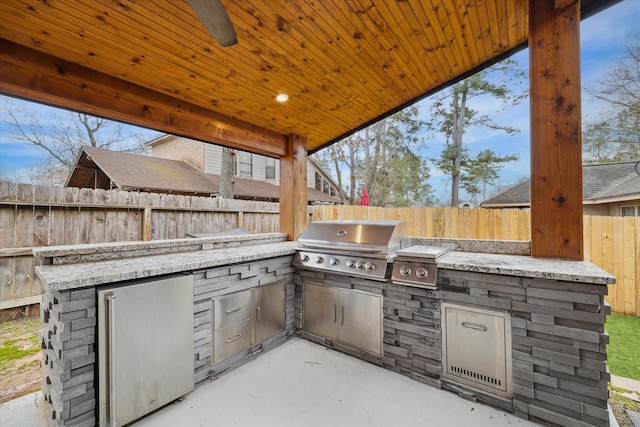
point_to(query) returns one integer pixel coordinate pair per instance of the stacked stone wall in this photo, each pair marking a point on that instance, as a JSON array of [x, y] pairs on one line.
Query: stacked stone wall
[[68, 357]]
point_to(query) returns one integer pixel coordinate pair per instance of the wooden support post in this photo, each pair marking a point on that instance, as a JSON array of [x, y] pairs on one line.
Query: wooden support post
[[293, 188], [556, 140]]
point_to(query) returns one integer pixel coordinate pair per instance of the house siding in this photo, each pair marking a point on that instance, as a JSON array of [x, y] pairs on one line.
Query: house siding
[[182, 149], [213, 162], [208, 158]]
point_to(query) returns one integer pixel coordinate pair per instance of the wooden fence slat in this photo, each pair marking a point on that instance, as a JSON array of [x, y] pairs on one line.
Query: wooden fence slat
[[628, 265], [586, 237], [637, 261], [616, 261]]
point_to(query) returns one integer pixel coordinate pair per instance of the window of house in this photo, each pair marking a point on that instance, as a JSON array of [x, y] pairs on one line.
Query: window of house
[[318, 184], [630, 210], [245, 167], [325, 187], [270, 168]]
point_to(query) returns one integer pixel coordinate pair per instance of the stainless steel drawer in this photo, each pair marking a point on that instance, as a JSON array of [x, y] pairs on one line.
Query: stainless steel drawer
[[230, 309], [231, 340]]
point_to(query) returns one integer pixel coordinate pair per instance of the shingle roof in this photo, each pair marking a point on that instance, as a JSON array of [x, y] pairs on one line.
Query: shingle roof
[[129, 171], [600, 182], [610, 180]]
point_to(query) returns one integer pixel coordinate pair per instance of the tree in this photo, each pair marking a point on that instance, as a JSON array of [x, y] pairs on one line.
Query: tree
[[380, 158], [453, 116], [227, 173], [482, 172], [615, 135], [63, 136]]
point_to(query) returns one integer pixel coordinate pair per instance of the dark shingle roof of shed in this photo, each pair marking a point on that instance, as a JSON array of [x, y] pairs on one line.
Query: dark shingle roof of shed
[[599, 181]]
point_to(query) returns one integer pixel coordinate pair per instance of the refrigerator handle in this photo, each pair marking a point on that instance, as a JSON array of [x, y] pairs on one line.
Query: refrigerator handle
[[110, 299]]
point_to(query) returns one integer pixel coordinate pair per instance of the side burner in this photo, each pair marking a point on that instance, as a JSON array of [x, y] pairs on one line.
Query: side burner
[[416, 266]]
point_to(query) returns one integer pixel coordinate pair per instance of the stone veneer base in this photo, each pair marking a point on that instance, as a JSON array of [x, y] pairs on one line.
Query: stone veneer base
[[68, 338]]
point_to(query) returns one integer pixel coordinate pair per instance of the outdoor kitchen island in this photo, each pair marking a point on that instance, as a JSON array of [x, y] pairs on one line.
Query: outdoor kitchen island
[[555, 311]]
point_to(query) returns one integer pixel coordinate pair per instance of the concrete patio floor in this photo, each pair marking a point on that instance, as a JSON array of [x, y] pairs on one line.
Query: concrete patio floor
[[304, 384]]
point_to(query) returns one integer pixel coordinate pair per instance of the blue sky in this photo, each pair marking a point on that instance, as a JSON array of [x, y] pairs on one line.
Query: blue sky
[[602, 43]]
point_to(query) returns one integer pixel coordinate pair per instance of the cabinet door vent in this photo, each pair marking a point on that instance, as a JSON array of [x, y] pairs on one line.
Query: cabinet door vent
[[476, 348], [466, 373]]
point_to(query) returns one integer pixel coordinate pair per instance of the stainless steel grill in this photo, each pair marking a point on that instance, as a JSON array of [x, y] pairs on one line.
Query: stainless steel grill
[[356, 248]]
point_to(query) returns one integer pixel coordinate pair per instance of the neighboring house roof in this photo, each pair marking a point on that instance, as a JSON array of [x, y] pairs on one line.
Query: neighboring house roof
[[601, 183], [136, 172]]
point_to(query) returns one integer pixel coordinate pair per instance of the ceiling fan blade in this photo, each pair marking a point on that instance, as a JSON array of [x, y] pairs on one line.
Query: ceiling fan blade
[[215, 19]]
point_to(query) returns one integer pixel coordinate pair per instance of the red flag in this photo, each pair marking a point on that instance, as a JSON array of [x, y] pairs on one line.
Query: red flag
[[364, 200]]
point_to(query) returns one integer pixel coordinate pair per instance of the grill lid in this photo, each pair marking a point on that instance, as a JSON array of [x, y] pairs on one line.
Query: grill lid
[[379, 237], [423, 251]]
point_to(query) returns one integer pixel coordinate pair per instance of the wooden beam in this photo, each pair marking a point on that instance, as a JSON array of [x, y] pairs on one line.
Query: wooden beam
[[293, 188], [559, 4], [556, 140], [30, 74]]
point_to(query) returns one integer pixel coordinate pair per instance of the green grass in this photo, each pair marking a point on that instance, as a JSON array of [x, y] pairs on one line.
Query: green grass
[[18, 339], [13, 349], [624, 345]]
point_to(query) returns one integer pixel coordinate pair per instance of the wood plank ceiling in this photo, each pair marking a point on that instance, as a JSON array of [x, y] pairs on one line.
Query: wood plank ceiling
[[343, 63]]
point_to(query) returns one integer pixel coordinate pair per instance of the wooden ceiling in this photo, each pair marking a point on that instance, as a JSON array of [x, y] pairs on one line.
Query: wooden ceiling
[[344, 64]]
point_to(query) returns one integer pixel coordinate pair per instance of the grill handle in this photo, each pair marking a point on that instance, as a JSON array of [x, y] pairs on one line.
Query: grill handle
[[475, 326], [341, 246]]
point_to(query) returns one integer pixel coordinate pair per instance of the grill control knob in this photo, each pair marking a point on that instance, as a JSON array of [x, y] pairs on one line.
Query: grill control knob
[[421, 272], [305, 258], [319, 260], [334, 261], [405, 270], [350, 263], [369, 265], [359, 264]]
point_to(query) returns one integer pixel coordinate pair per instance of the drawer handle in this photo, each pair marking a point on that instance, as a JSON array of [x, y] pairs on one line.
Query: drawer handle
[[228, 340], [477, 327], [335, 313], [258, 315], [233, 310]]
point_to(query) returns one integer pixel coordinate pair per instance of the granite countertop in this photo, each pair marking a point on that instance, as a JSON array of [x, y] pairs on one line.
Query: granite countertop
[[75, 276], [88, 274], [525, 266]]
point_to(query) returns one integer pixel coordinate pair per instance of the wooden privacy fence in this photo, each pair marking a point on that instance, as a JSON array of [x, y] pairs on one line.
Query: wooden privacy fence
[[33, 216], [611, 243]]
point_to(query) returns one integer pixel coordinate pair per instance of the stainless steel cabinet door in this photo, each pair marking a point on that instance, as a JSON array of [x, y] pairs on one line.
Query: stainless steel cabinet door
[[320, 310], [269, 310], [145, 347], [360, 320]]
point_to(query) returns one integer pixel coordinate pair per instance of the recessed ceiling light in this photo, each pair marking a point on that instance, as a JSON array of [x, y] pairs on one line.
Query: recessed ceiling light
[[282, 97]]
